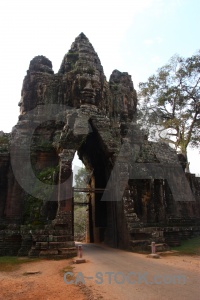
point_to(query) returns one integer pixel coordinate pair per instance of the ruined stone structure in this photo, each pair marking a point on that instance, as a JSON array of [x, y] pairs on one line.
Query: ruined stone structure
[[143, 192]]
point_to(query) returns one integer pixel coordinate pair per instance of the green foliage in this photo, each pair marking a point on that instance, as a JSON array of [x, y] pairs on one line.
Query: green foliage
[[33, 205], [68, 268], [114, 87], [12, 263], [32, 211], [191, 247], [80, 212], [4, 140], [78, 70], [170, 103], [47, 174], [44, 146], [80, 219], [4, 143], [72, 56], [81, 178], [3, 148]]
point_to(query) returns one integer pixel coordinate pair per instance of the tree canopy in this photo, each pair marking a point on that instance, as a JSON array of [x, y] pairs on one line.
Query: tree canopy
[[80, 211], [81, 178], [171, 103]]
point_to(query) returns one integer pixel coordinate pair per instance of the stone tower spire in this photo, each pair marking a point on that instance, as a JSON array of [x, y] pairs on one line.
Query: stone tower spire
[[82, 69], [82, 57]]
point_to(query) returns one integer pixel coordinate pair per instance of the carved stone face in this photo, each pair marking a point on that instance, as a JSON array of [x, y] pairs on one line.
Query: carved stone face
[[88, 88], [83, 74]]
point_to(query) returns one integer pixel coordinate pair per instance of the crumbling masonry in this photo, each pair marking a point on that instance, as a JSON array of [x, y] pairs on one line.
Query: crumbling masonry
[[146, 194]]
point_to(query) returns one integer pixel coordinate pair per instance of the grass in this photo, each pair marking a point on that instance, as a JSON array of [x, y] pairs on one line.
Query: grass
[[31, 273], [68, 268], [189, 247], [12, 263]]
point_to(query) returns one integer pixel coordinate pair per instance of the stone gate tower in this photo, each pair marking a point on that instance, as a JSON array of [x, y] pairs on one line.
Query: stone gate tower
[[145, 193]]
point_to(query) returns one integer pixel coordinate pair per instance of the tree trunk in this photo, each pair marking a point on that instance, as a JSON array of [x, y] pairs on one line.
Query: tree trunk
[[184, 152]]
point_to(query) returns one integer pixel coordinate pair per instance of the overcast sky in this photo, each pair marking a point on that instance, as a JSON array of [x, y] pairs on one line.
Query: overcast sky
[[135, 36]]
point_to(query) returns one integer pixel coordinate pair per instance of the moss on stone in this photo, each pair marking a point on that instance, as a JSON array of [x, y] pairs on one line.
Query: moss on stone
[[4, 140], [47, 174], [34, 204]]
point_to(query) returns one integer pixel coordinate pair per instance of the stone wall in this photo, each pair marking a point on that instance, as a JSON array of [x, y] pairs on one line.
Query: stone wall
[[147, 195]]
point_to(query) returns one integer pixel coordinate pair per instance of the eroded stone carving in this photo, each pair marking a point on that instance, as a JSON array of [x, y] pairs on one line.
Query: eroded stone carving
[[96, 118]]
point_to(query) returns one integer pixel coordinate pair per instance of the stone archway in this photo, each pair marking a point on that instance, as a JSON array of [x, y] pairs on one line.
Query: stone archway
[[97, 118], [95, 152]]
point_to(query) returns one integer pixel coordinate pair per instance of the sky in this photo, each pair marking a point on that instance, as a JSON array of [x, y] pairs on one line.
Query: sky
[[134, 36]]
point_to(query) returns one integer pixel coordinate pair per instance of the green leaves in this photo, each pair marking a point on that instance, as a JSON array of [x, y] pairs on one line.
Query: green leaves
[[81, 178], [170, 102], [80, 212]]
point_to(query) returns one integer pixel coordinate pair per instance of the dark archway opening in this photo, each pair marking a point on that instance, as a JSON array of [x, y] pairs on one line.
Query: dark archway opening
[[93, 154]]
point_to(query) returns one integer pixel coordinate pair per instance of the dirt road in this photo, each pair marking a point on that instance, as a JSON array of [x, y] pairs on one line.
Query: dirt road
[[117, 275], [121, 276], [41, 280]]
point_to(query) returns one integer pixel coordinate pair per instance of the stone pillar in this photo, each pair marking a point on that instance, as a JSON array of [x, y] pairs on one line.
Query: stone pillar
[[57, 239], [64, 216]]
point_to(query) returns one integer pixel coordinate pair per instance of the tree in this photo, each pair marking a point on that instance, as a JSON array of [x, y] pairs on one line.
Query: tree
[[81, 178], [80, 211], [171, 103]]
